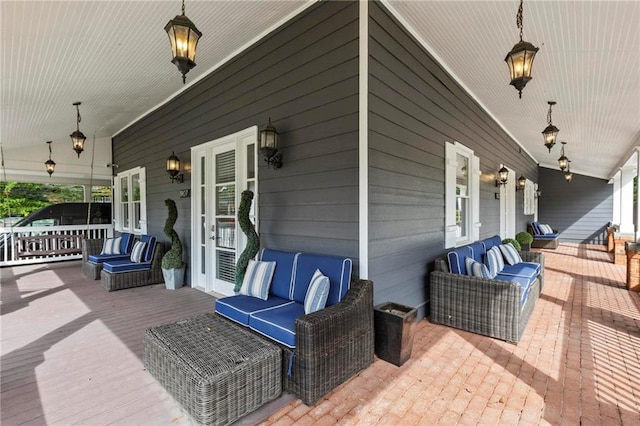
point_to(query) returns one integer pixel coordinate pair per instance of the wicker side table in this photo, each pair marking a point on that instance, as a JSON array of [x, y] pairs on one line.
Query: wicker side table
[[92, 270], [215, 370]]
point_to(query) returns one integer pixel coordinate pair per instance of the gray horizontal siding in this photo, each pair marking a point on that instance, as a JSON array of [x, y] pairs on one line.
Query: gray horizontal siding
[[414, 108], [579, 210], [304, 75]]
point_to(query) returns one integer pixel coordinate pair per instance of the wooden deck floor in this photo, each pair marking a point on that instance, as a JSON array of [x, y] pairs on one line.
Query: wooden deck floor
[[71, 354]]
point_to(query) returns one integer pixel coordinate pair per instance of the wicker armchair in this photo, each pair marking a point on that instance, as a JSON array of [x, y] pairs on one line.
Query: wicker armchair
[[91, 247], [332, 345], [480, 305], [119, 281]]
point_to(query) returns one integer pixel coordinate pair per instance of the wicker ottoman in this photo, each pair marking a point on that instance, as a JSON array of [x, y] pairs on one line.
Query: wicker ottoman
[[92, 270], [215, 370]]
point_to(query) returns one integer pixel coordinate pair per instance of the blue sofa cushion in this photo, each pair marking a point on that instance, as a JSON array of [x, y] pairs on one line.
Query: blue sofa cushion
[[126, 244], [456, 260], [101, 258], [336, 268], [536, 228], [478, 250], [125, 265], [282, 281], [491, 242], [278, 323], [523, 270], [546, 237], [239, 307], [151, 247], [523, 282]]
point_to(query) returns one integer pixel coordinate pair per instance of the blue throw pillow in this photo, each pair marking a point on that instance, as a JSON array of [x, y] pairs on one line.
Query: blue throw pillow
[[476, 269], [317, 293], [137, 252], [491, 260], [257, 279], [111, 246], [499, 259], [510, 254]]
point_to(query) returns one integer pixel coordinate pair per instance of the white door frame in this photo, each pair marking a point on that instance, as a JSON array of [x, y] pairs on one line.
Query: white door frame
[[508, 207]]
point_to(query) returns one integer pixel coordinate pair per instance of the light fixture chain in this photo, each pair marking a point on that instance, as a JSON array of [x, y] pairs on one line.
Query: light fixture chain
[[183, 7], [549, 115], [519, 19]]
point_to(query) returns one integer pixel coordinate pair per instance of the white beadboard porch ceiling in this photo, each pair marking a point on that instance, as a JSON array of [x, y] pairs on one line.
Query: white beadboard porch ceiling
[[114, 56]]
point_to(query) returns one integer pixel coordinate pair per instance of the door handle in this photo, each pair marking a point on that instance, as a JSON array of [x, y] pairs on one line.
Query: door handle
[[213, 232]]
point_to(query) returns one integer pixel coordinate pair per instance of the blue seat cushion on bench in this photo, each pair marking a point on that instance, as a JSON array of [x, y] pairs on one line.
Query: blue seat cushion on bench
[[456, 260], [523, 269], [125, 265], [336, 268], [239, 307], [282, 281], [546, 237], [101, 258], [278, 323], [523, 282]]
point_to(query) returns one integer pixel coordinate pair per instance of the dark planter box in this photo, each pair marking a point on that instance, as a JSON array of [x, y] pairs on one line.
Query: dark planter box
[[394, 329], [525, 247]]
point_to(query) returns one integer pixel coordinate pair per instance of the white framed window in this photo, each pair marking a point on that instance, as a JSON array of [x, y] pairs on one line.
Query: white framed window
[[462, 195], [130, 201]]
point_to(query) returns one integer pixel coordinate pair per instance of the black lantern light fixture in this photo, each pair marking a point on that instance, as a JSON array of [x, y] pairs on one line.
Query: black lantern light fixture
[[77, 137], [503, 175], [184, 37], [50, 164], [568, 176], [550, 133], [269, 145], [522, 182], [173, 168], [520, 59], [563, 161]]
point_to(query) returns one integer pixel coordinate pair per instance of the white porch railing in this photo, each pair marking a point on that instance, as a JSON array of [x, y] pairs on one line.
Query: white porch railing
[[40, 244]]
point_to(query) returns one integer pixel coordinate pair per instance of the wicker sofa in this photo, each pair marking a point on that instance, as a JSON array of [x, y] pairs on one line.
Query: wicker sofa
[[330, 345], [492, 307]]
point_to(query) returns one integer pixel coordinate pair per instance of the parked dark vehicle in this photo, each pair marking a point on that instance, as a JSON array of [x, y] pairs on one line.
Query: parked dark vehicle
[[59, 215]]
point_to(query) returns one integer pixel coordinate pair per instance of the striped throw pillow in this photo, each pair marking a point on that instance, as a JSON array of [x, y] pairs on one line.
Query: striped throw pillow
[[317, 293], [137, 252], [257, 279], [111, 246], [476, 269], [499, 258], [546, 229], [491, 260], [510, 254]]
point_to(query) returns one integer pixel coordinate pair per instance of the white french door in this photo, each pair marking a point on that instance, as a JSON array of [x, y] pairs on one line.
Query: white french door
[[221, 170]]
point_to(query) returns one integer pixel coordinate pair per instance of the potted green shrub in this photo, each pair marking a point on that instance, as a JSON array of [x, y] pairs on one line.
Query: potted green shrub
[[513, 242], [253, 240], [525, 239], [172, 265]]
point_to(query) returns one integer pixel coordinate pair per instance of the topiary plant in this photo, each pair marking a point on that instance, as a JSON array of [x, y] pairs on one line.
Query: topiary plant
[[172, 259], [524, 238], [253, 241], [513, 242]]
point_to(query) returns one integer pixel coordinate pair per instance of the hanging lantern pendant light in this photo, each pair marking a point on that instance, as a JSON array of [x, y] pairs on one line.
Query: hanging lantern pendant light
[[563, 161], [550, 133], [520, 59], [184, 37], [77, 137], [568, 176], [50, 164]]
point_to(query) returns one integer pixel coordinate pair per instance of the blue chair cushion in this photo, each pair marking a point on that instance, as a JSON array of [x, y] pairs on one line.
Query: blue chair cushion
[[239, 307], [456, 260], [282, 281], [151, 247], [527, 270], [336, 268], [101, 258], [525, 283], [278, 323], [126, 244], [546, 237], [125, 265]]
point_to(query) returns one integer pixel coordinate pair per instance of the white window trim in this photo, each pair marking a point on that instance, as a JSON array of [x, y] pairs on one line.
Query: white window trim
[[143, 201], [473, 233]]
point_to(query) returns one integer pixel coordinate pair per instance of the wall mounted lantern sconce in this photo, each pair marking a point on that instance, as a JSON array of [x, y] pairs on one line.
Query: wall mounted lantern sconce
[[50, 164], [77, 137], [522, 181], [538, 193], [184, 37], [563, 161], [503, 175], [568, 176], [269, 145], [173, 168], [520, 59], [550, 133]]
